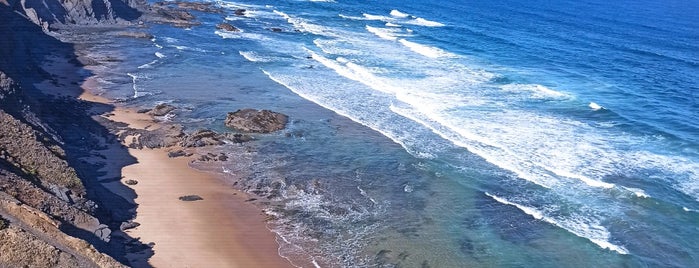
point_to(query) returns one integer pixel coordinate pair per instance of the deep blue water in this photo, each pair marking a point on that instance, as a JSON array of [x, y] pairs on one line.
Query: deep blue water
[[457, 133]]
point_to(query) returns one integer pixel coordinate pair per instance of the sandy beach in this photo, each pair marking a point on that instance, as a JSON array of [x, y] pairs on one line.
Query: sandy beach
[[222, 230], [219, 231]]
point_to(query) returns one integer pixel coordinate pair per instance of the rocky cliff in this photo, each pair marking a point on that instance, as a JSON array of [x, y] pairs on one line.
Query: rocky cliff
[[52, 211], [82, 12]]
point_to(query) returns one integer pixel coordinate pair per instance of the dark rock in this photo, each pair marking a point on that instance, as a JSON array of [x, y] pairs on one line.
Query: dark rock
[[162, 109], [177, 153], [240, 138], [239, 12], [129, 225], [131, 182], [276, 30], [251, 120], [191, 198], [143, 111], [176, 15], [3, 223], [227, 27], [203, 137]]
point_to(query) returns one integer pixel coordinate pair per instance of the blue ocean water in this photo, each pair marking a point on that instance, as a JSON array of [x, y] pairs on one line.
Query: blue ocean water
[[457, 133]]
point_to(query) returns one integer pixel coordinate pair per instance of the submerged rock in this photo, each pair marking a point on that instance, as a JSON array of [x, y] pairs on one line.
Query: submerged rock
[[162, 109], [227, 27], [240, 12], [259, 121]]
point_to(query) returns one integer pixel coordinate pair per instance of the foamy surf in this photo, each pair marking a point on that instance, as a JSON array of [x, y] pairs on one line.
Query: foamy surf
[[427, 51], [595, 106], [398, 14], [594, 233]]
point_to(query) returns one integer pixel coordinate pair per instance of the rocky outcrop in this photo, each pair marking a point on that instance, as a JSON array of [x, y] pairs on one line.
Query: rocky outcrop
[[162, 109], [259, 121], [227, 27], [81, 12]]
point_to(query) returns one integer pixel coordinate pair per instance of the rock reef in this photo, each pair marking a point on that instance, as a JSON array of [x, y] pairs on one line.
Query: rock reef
[[257, 121]]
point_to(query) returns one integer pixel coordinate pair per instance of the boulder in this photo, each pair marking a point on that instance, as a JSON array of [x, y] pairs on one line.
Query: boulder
[[258, 121], [129, 225], [227, 27], [239, 12], [162, 109]]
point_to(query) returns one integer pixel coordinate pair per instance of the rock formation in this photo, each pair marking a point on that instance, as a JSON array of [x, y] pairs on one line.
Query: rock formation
[[259, 121], [227, 27]]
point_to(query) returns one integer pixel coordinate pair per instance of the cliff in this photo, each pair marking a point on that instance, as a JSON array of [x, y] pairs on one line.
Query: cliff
[[53, 212], [46, 13]]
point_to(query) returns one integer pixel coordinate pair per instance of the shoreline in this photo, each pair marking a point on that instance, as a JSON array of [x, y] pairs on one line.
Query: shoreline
[[189, 233], [222, 230]]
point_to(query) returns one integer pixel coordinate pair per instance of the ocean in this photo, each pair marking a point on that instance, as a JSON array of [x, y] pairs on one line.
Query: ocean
[[452, 133]]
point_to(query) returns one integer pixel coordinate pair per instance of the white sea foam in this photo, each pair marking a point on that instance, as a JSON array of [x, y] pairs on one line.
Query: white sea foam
[[595, 106], [305, 26], [354, 72], [148, 65], [170, 39], [377, 17], [637, 192], [398, 14], [387, 34], [228, 35], [535, 91], [591, 231], [424, 22], [254, 56], [390, 24], [159, 55], [427, 51]]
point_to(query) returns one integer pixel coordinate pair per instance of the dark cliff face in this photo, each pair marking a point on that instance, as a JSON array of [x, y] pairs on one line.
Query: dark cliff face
[[83, 12], [53, 213]]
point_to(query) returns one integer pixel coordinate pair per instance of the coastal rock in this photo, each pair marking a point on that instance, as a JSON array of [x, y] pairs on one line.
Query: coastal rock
[[239, 12], [209, 157], [190, 198], [259, 121], [275, 29], [129, 225], [131, 182], [203, 137], [240, 138], [177, 153], [227, 27], [162, 109]]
